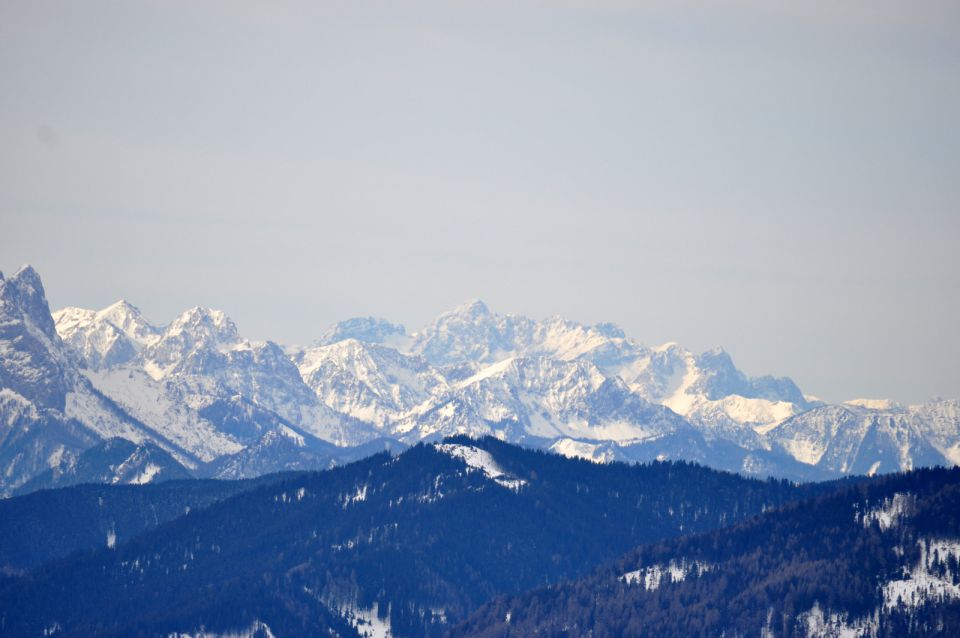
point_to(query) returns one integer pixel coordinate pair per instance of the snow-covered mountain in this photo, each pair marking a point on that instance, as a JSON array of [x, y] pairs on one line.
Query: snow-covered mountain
[[217, 402], [49, 411], [537, 397], [366, 329], [708, 389], [472, 333], [368, 381], [868, 437], [108, 337]]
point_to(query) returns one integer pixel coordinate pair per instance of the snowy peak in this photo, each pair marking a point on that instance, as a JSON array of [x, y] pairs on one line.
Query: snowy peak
[[472, 333], [34, 363], [473, 309], [846, 439], [131, 322], [204, 325], [721, 378], [22, 295], [193, 343], [366, 329], [107, 337], [368, 381], [478, 459], [469, 332]]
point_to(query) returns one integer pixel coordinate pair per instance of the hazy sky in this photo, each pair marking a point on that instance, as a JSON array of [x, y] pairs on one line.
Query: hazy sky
[[784, 182]]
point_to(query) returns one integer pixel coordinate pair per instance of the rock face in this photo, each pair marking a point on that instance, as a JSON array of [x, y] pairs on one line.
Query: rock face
[[212, 399], [33, 362]]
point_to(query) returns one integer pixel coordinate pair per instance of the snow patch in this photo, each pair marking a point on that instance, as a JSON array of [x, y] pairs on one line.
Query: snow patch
[[479, 459], [256, 629], [147, 475], [573, 449], [297, 439], [673, 572], [901, 505], [816, 623], [366, 621], [358, 496], [930, 580]]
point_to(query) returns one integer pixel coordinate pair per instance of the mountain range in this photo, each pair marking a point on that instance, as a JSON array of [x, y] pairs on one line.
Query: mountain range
[[195, 398]]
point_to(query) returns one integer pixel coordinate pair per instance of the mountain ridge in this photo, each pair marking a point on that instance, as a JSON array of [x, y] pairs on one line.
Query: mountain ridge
[[201, 391]]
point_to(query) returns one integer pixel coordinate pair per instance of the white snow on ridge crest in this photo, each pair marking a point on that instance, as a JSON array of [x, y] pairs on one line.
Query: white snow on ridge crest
[[481, 460], [256, 629]]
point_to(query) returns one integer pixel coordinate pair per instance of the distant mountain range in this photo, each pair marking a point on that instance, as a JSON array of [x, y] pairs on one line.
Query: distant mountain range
[[196, 398]]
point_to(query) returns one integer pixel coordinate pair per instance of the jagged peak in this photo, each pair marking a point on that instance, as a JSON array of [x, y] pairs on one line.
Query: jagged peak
[[367, 329], [716, 357], [27, 280], [121, 306], [610, 330], [26, 272], [201, 319], [24, 290], [201, 313], [472, 308], [127, 317]]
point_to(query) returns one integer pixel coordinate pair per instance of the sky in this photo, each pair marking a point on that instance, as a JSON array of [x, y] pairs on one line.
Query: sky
[[782, 181]]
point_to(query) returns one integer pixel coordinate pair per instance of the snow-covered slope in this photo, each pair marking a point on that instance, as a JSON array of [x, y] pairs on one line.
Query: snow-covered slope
[[49, 412], [939, 421], [472, 332], [367, 330], [532, 398], [170, 408], [202, 352], [107, 337], [707, 389], [850, 439], [367, 381]]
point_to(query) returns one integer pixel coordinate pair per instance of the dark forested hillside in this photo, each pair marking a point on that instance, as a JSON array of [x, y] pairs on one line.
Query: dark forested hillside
[[48, 524], [877, 559], [420, 540]]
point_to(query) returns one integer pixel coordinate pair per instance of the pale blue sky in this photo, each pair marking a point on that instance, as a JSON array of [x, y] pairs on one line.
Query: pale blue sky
[[784, 182]]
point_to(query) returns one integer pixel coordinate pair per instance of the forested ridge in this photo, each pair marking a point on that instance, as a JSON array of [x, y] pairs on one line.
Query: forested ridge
[[831, 554], [423, 535]]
